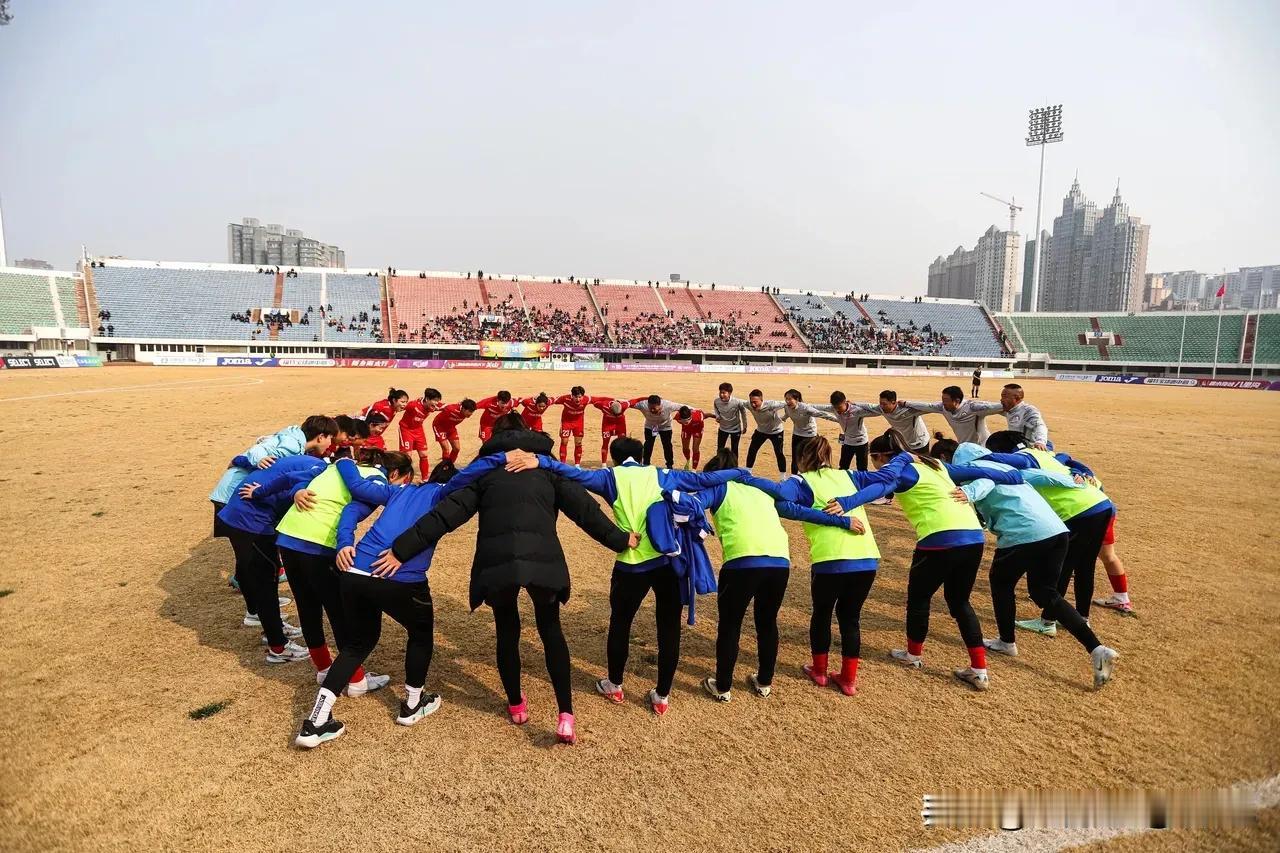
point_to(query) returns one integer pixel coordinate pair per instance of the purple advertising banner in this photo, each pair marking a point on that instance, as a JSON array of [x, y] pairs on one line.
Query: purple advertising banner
[[655, 368], [615, 350]]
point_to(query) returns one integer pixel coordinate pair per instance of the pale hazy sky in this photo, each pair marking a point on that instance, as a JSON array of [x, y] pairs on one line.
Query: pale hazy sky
[[800, 144]]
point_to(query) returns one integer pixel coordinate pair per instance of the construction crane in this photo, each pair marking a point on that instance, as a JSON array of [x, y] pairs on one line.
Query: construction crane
[[1013, 211]]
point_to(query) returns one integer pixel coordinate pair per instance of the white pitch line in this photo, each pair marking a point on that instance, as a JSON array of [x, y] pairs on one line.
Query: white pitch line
[[177, 385], [1266, 792]]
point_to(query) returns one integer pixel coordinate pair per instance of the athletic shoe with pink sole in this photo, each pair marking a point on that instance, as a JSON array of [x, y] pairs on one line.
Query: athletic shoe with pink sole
[[519, 713], [1113, 602], [659, 704], [565, 731], [818, 678], [610, 691]]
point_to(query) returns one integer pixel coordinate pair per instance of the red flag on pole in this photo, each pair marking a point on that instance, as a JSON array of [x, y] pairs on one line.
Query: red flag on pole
[[1222, 290]]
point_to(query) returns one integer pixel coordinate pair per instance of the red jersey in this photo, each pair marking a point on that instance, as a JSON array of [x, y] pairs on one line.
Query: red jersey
[[691, 424], [532, 412], [382, 407], [490, 409], [574, 410], [609, 422], [415, 415], [449, 418], [375, 441]]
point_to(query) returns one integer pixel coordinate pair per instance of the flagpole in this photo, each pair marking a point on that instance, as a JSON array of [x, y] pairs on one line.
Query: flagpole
[[1184, 337]]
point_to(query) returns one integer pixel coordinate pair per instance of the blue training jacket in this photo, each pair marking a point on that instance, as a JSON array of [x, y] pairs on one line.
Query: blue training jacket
[[404, 505], [263, 512], [677, 526], [289, 441]]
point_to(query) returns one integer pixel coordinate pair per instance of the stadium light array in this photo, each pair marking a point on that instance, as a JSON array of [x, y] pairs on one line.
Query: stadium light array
[[1044, 126]]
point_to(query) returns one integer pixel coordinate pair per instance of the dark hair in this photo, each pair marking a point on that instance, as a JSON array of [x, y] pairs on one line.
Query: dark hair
[[510, 422], [625, 448], [654, 400], [432, 394], [685, 412], [375, 418], [542, 399], [725, 386], [756, 392], [837, 397], [1013, 386], [443, 472], [504, 396], [794, 392], [943, 448], [722, 461], [468, 405], [394, 394], [891, 396], [1005, 441], [346, 424], [393, 461], [318, 425], [888, 444], [815, 454], [953, 392], [577, 389]]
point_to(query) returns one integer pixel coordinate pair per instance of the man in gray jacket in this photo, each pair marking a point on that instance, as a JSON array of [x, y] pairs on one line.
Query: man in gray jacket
[[968, 418], [803, 417], [730, 413], [769, 424], [850, 416]]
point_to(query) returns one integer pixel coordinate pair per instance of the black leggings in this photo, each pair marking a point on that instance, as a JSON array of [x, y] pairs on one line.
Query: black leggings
[[546, 614], [314, 581], [953, 569], [728, 438], [1087, 534], [256, 565], [667, 453], [626, 592], [1041, 562], [845, 593], [798, 443], [737, 589], [848, 451], [758, 438], [364, 600]]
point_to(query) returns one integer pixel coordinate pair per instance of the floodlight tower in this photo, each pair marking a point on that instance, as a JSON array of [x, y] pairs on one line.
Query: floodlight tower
[[1044, 127]]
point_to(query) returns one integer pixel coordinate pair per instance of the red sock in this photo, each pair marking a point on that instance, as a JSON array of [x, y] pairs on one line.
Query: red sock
[[321, 658], [424, 466], [1119, 583], [697, 457], [820, 663], [359, 676], [915, 648], [978, 657], [577, 453], [604, 453], [564, 451], [848, 669], [276, 649]]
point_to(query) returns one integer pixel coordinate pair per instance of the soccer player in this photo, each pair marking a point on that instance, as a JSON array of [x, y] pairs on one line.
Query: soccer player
[[613, 423], [532, 410], [389, 407], [413, 436], [1118, 600], [657, 425], [968, 418], [906, 422], [977, 382], [377, 423], [804, 426], [730, 413], [492, 408], [445, 427], [854, 439], [572, 421], [691, 424], [769, 426], [1023, 417]]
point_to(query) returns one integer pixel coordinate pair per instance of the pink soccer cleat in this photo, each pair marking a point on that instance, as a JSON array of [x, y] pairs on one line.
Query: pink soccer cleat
[[519, 713], [564, 730]]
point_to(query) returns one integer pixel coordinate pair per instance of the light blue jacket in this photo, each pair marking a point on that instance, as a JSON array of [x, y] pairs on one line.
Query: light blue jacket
[[289, 441], [1017, 515]]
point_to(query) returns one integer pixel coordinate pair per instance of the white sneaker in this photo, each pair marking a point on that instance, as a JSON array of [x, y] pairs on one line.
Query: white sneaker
[[1000, 646], [290, 653], [904, 656], [976, 680], [285, 602], [659, 704], [428, 703], [1104, 662], [1038, 625], [709, 685], [1114, 602], [368, 684], [291, 632], [251, 620], [762, 690]]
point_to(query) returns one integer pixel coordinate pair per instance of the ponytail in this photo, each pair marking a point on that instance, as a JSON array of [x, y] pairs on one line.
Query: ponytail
[[394, 394], [815, 454], [722, 461], [889, 444]]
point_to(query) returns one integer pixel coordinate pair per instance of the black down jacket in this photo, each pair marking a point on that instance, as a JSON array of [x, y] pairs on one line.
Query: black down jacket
[[517, 544]]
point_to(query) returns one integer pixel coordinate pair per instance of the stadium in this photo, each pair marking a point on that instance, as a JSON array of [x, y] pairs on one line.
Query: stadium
[[793, 556]]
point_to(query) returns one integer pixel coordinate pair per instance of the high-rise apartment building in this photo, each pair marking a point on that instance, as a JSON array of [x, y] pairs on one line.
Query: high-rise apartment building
[[1094, 260], [273, 245], [987, 273]]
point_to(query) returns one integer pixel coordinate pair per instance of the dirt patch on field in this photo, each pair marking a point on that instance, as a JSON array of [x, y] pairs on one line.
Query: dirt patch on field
[[120, 624]]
